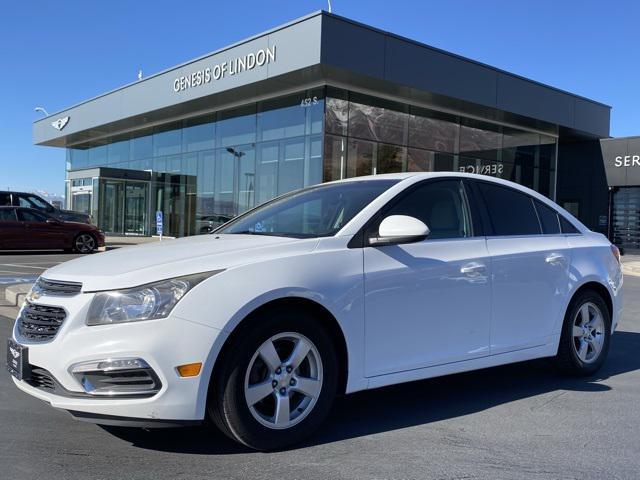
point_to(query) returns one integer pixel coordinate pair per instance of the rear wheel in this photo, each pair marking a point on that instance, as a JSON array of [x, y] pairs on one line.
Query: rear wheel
[[84, 243], [586, 334], [276, 382]]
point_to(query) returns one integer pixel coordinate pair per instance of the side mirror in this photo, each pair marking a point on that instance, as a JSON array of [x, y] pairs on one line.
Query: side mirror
[[397, 229]]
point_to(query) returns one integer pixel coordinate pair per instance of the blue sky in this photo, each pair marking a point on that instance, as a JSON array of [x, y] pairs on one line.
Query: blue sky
[[55, 54]]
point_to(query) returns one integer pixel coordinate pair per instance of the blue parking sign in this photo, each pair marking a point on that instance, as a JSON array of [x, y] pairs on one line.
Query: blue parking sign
[[159, 222]]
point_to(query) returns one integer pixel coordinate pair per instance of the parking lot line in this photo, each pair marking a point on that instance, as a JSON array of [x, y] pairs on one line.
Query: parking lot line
[[21, 266]]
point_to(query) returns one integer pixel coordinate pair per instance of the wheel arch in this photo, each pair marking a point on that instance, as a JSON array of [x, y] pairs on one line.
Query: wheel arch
[[328, 320], [597, 287]]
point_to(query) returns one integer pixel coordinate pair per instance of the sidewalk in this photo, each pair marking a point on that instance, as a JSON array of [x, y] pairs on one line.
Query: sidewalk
[[631, 265], [116, 242]]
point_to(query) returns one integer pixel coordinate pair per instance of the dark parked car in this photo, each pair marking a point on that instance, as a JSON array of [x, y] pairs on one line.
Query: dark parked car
[[30, 229], [31, 200]]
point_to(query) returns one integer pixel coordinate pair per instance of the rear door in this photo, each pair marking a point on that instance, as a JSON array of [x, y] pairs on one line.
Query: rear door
[[11, 231], [530, 268]]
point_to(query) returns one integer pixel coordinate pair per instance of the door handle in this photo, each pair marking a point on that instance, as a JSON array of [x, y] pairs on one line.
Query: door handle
[[473, 268], [554, 259]]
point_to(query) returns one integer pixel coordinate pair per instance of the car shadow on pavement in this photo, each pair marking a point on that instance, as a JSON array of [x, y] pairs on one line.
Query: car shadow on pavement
[[423, 402]]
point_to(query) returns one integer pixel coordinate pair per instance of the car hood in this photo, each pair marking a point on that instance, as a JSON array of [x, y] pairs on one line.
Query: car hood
[[141, 264]]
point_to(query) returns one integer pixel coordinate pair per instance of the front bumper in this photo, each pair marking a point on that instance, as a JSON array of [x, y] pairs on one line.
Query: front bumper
[[164, 344]]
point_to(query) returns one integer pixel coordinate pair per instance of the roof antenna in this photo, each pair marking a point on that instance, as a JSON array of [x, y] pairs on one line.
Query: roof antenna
[[329, 2], [140, 74]]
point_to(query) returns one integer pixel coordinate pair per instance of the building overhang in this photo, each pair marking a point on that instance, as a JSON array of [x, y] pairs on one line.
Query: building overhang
[[325, 49]]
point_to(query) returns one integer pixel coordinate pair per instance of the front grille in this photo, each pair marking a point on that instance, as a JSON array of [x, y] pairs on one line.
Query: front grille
[[42, 379], [40, 322], [56, 288]]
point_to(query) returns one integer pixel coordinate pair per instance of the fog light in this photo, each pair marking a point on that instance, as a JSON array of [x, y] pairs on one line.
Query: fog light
[[117, 377], [189, 370]]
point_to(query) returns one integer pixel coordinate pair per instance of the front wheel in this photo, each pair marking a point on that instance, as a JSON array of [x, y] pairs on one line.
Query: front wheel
[[586, 334], [277, 381], [84, 243]]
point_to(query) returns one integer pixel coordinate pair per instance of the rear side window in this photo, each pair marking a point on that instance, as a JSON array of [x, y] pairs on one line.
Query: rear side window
[[548, 218], [567, 227], [7, 215], [5, 199], [511, 212]]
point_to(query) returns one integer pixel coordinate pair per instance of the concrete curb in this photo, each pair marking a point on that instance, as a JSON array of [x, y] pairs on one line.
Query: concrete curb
[[16, 294], [12, 297]]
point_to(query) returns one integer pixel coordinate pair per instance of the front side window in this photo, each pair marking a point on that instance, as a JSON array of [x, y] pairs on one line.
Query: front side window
[[511, 212], [440, 205], [31, 216], [31, 201], [314, 212]]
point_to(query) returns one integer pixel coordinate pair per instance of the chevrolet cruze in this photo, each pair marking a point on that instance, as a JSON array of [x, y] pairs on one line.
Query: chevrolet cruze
[[332, 289]]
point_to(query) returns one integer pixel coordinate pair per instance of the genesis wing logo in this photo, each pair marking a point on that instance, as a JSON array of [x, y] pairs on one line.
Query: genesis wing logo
[[60, 123]]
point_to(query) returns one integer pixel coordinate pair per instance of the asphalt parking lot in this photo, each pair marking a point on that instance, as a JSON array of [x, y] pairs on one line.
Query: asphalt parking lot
[[518, 421], [29, 264]]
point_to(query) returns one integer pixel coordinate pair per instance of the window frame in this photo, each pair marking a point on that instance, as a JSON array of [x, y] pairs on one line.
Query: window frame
[[361, 238]]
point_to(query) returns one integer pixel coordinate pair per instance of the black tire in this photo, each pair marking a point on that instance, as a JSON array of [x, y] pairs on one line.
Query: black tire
[[567, 359], [82, 250], [227, 405]]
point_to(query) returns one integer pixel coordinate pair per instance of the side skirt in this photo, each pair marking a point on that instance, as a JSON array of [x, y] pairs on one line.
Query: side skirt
[[548, 350]]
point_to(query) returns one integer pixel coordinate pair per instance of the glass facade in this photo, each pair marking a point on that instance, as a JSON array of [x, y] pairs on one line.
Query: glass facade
[[209, 169], [366, 135]]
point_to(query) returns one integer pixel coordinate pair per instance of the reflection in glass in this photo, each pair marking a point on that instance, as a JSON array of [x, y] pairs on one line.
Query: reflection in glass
[[236, 127], [479, 139], [198, 134], [432, 133], [390, 158], [419, 160], [337, 116], [360, 158], [335, 157]]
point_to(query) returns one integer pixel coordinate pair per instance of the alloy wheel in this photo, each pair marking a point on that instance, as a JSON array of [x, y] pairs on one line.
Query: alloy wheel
[[283, 380], [588, 333], [85, 243]]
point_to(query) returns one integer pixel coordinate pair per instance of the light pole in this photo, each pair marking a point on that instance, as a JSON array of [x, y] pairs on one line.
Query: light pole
[[41, 110]]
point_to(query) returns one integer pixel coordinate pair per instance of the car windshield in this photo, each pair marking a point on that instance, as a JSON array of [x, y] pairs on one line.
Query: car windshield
[[313, 212]]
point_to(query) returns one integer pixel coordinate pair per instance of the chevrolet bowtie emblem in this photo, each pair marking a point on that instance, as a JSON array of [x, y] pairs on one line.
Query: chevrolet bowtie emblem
[[60, 123]]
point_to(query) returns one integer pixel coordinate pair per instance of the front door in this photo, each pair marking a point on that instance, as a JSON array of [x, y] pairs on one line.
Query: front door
[[428, 303]]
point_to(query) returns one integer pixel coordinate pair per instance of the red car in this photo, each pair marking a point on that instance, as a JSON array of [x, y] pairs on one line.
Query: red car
[[29, 229]]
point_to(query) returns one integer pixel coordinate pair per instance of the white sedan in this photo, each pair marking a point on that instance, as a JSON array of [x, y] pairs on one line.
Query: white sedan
[[332, 289]]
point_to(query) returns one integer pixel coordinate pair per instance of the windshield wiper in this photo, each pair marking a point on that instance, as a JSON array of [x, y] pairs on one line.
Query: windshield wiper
[[272, 234], [251, 232]]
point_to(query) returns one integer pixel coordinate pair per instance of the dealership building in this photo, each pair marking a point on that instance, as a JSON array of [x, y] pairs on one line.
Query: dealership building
[[323, 98]]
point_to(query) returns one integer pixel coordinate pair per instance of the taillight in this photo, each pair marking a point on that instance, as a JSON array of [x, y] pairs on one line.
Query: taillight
[[616, 252]]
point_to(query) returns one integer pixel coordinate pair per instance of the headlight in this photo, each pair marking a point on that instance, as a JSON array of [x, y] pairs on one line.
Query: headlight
[[146, 302]]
